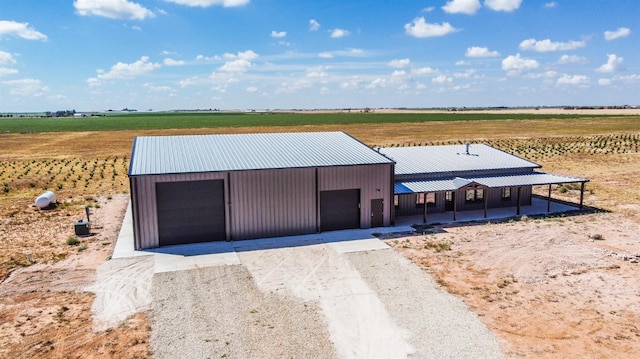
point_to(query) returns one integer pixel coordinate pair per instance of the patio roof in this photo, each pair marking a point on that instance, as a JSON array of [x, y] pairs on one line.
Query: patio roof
[[528, 179]]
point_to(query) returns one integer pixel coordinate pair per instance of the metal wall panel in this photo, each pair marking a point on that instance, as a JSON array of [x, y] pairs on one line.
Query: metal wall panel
[[143, 196], [372, 180], [269, 203]]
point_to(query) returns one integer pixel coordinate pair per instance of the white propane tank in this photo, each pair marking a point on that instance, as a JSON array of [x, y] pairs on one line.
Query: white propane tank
[[45, 199]]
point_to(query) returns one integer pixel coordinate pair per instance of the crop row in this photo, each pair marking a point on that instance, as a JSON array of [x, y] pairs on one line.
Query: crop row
[[64, 174]]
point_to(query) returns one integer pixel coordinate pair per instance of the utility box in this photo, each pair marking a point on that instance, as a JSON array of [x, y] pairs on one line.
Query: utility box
[[81, 228]]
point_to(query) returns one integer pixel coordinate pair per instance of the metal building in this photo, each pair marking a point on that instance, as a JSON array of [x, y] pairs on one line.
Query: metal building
[[451, 178], [187, 189]]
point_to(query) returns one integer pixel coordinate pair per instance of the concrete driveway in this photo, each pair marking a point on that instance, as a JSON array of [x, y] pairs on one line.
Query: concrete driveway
[[341, 294]]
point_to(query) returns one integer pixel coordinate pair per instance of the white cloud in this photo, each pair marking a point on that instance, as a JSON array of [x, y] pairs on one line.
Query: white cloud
[[550, 5], [207, 3], [614, 63], [153, 88], [423, 71], [572, 59], [572, 80], [420, 28], [543, 75], [20, 29], [398, 74], [377, 83], [338, 33], [278, 34], [428, 9], [399, 63], [464, 75], [295, 86], [238, 63], [476, 51], [441, 79], [172, 62], [7, 71], [325, 55], [548, 46], [122, 71], [317, 72], [516, 64], [468, 7], [6, 58], [620, 32], [503, 5], [252, 89], [26, 87], [604, 82], [314, 25], [112, 9]]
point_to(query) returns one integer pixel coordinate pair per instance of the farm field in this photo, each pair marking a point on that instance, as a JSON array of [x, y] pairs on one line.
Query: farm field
[[87, 167]]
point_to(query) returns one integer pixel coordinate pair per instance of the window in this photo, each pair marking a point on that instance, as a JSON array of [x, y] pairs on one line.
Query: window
[[419, 199], [474, 195], [431, 199], [448, 196], [506, 193], [396, 201]]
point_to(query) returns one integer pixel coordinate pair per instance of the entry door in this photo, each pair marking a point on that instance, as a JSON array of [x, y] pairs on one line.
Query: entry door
[[377, 213], [339, 209], [449, 198]]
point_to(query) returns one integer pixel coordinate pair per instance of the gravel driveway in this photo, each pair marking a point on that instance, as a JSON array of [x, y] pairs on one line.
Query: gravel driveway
[[312, 301]]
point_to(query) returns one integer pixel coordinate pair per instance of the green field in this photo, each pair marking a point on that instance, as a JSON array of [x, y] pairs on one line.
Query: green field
[[158, 121]]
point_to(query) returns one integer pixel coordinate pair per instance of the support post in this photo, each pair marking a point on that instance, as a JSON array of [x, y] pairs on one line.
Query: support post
[[455, 204], [581, 194], [424, 214], [518, 199], [485, 192], [549, 200]]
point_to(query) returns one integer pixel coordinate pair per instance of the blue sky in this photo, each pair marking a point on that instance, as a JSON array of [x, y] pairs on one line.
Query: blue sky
[[94, 55]]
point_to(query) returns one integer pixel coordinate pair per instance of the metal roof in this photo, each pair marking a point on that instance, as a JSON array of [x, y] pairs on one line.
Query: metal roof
[[529, 179], [452, 158], [234, 152]]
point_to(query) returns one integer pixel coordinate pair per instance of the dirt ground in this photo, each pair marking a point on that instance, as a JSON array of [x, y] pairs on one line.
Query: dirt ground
[[548, 288], [44, 308]]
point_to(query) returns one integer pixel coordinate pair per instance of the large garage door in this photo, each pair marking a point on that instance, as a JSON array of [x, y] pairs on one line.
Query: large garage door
[[339, 209], [190, 212]]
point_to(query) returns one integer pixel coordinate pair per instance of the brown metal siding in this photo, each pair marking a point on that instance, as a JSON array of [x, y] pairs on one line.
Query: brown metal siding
[[270, 203], [145, 206], [372, 181]]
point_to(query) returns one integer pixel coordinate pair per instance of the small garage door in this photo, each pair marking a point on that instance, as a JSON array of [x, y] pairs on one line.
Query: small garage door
[[190, 212], [339, 209]]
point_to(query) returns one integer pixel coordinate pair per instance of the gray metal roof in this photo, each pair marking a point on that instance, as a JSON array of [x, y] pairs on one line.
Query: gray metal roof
[[233, 152], [529, 179], [452, 158]]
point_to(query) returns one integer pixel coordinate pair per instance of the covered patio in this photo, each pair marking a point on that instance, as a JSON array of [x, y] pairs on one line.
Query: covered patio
[[539, 206], [532, 204]]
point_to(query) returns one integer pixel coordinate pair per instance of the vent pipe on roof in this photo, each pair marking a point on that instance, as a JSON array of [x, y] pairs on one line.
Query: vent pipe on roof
[[467, 145]]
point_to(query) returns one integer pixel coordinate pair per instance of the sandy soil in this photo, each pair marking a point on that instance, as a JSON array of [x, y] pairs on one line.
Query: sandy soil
[[555, 287], [44, 310]]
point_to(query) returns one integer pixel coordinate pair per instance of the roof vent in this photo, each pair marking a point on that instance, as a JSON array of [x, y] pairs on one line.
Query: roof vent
[[467, 145]]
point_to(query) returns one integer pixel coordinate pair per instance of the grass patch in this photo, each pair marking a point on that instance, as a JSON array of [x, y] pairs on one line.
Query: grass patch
[[73, 241], [438, 246]]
